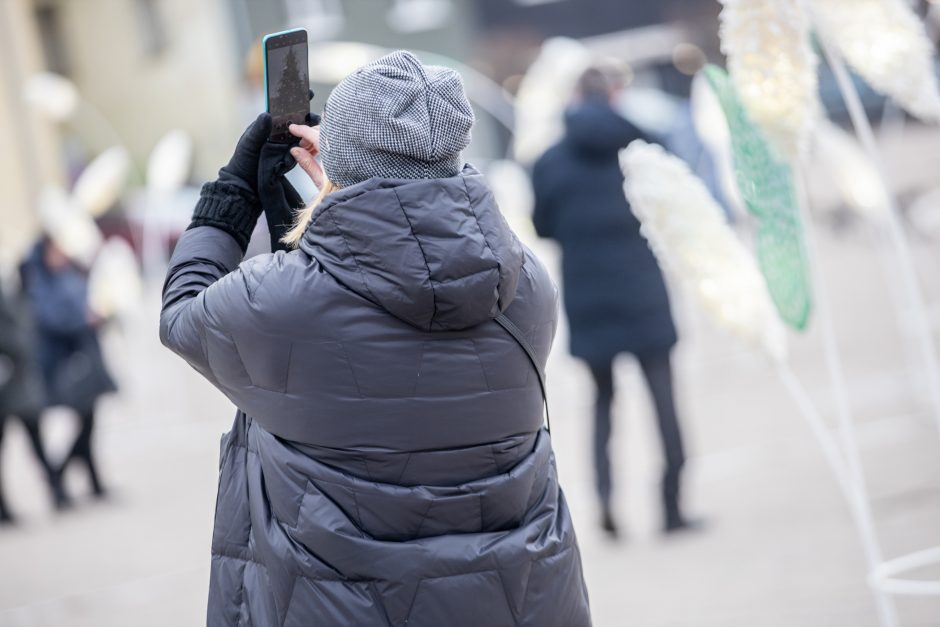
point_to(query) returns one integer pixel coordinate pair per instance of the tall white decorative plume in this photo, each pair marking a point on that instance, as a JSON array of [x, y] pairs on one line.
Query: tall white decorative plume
[[101, 182], [773, 68], [67, 223], [886, 44], [688, 233], [169, 162], [543, 94], [114, 285]]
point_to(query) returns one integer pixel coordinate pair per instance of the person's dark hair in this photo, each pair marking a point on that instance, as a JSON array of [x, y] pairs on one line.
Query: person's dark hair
[[595, 84]]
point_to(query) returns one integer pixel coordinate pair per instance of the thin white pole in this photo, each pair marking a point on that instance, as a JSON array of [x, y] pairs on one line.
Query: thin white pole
[[856, 489], [830, 447], [885, 575], [892, 127], [908, 273]]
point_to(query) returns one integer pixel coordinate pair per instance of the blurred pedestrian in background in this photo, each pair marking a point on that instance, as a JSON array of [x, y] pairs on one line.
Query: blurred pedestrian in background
[[69, 355], [388, 464], [21, 392], [614, 292]]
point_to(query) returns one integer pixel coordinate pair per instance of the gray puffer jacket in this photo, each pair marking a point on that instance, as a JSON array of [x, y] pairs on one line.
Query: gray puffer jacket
[[387, 465]]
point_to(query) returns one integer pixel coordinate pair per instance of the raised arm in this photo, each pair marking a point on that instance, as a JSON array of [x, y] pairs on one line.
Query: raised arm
[[211, 249], [203, 256]]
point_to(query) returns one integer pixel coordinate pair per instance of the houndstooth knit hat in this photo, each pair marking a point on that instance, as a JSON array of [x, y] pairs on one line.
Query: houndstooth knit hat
[[395, 118]]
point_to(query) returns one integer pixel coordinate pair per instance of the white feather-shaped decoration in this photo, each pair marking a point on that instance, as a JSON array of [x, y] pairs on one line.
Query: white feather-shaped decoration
[[170, 162], [544, 93], [512, 188], [100, 184], [688, 233], [114, 285], [52, 95], [773, 69], [886, 44], [67, 223]]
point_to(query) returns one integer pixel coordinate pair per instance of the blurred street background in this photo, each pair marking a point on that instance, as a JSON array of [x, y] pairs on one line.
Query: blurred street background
[[80, 77]]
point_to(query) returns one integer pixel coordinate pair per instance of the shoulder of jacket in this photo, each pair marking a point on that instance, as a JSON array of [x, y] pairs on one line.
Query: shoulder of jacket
[[540, 280], [273, 280], [255, 270]]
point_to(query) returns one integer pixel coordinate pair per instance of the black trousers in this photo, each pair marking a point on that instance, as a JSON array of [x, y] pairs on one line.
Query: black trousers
[[31, 424], [81, 450], [657, 371]]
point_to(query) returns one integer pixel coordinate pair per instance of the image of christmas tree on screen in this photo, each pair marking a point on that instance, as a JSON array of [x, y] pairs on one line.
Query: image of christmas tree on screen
[[289, 88]]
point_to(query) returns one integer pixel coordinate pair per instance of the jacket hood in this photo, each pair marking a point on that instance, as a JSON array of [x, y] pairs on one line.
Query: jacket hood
[[435, 253], [595, 128]]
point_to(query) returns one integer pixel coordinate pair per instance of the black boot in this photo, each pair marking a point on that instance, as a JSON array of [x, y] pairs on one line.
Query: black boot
[[673, 519], [60, 498], [97, 489], [608, 523], [6, 516], [680, 523]]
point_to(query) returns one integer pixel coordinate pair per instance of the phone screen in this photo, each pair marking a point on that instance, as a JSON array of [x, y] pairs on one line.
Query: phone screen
[[287, 81]]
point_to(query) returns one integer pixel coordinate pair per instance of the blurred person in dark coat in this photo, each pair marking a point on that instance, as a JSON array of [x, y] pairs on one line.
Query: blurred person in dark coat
[[69, 355], [614, 292], [21, 392]]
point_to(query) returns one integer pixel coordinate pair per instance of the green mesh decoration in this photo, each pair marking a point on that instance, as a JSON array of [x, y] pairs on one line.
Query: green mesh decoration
[[766, 185]]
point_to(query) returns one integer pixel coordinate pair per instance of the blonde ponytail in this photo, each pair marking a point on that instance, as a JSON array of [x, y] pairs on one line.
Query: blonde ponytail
[[302, 219]]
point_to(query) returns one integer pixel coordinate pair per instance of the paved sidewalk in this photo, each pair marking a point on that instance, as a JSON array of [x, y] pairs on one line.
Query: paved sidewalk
[[779, 549]]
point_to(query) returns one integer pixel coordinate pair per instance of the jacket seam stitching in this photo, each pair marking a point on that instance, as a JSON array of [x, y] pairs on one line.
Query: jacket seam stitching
[[496, 467], [258, 275], [379, 601], [424, 518], [424, 257], [403, 468], [476, 353], [525, 598], [462, 276], [509, 603], [362, 276], [352, 371], [476, 219], [414, 388]]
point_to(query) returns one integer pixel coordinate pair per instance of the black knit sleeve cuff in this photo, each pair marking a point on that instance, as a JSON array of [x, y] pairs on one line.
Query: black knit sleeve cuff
[[228, 208]]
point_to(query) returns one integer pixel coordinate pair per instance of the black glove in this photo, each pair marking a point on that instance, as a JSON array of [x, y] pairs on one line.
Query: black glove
[[242, 168], [232, 203], [279, 199]]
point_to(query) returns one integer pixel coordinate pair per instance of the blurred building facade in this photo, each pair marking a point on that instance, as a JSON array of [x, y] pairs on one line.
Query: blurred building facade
[[29, 151], [141, 67], [147, 66], [144, 67]]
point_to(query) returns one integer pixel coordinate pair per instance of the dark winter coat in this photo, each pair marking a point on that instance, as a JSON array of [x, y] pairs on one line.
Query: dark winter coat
[[21, 390], [68, 353], [388, 465], [614, 292]]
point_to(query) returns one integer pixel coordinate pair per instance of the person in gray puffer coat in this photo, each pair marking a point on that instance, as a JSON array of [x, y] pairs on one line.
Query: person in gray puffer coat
[[388, 464]]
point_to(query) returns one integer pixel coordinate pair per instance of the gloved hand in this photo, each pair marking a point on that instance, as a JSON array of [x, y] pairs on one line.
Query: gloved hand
[[253, 181], [232, 203], [279, 199]]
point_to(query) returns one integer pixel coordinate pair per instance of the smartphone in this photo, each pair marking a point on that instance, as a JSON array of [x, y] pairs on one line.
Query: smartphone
[[286, 83]]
